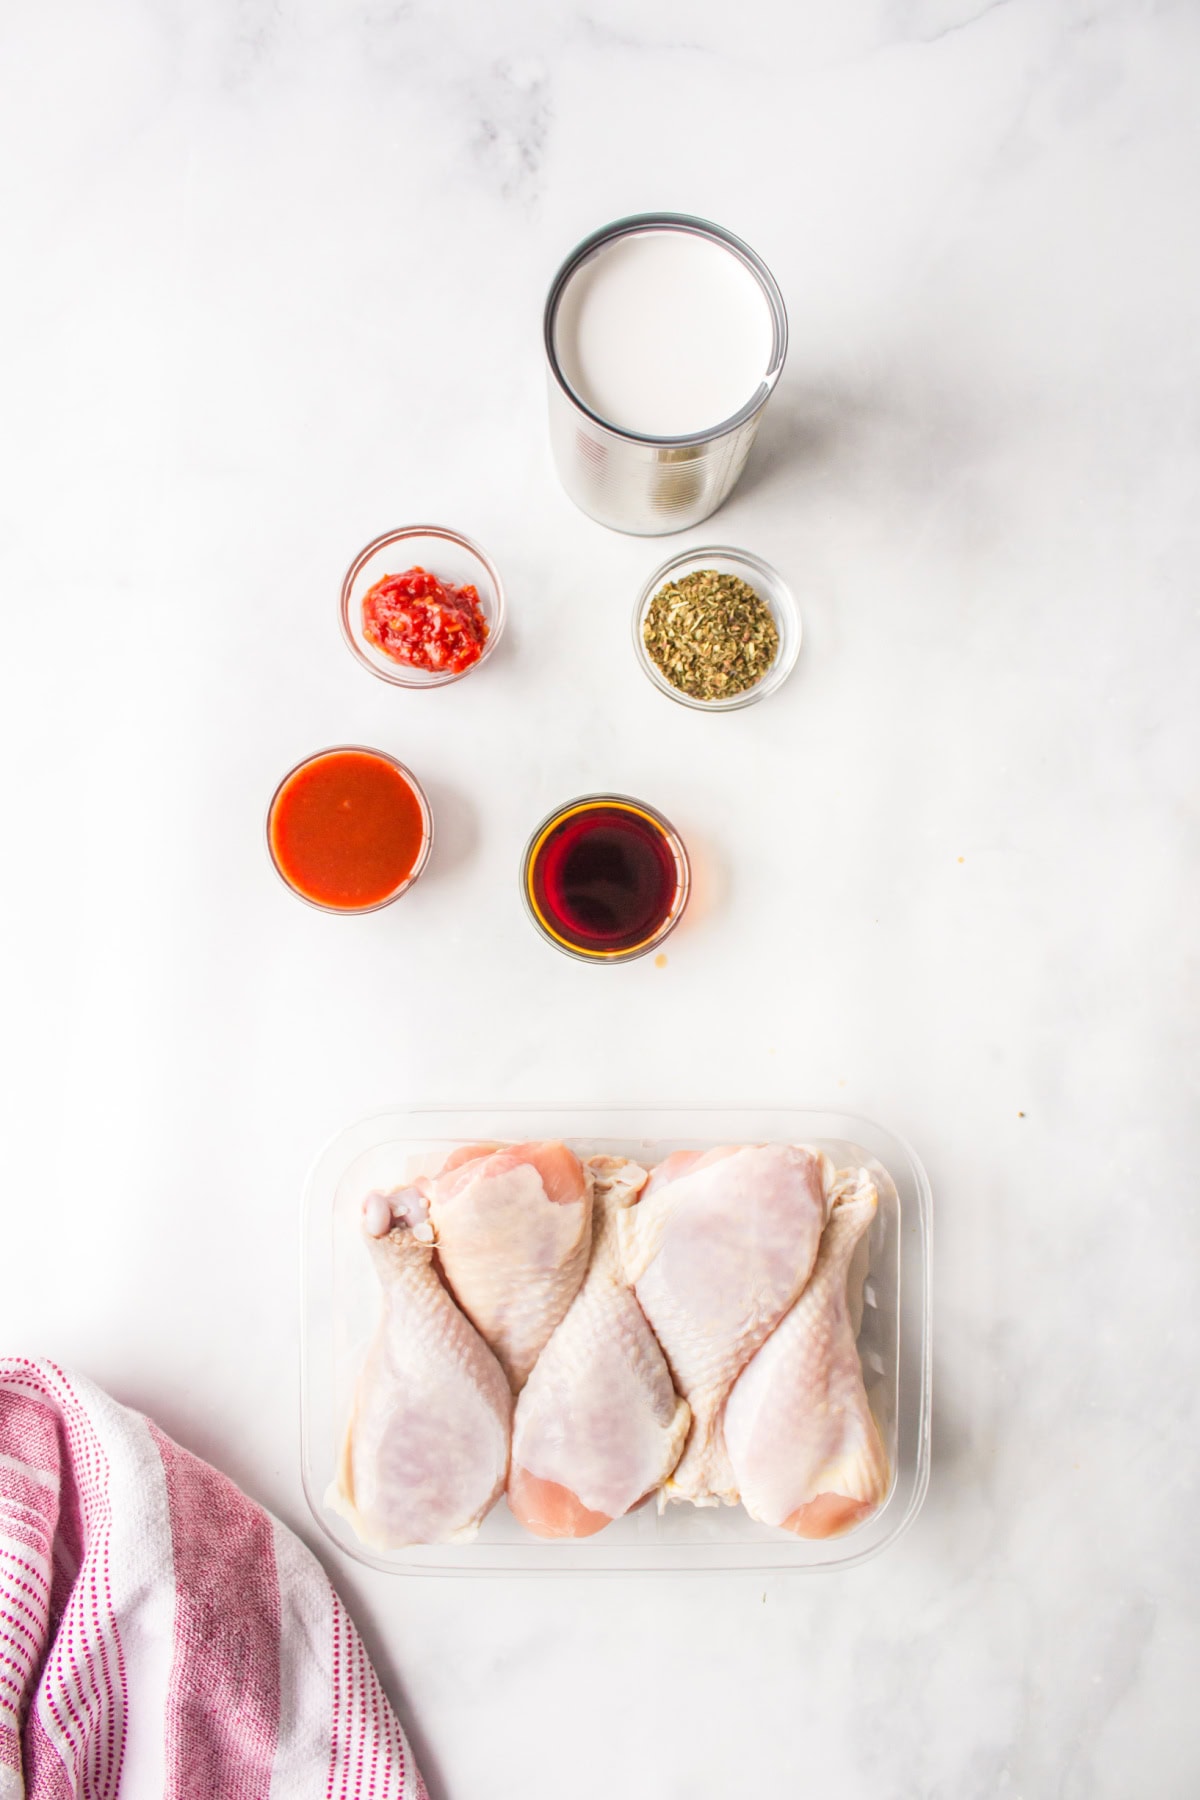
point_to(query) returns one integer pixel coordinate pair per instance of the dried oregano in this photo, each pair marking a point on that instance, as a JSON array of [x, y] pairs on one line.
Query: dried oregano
[[710, 634]]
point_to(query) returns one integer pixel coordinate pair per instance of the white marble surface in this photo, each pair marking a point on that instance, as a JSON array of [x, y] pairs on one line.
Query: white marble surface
[[273, 277]]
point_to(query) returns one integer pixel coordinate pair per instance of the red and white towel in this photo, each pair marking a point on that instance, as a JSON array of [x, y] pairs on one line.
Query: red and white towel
[[161, 1637]]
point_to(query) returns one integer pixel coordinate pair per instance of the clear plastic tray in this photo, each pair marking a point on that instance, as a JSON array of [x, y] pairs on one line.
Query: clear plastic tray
[[341, 1307]]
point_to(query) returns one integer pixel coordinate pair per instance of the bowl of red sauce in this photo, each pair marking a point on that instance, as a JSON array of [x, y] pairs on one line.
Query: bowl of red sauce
[[349, 830], [422, 606], [605, 878]]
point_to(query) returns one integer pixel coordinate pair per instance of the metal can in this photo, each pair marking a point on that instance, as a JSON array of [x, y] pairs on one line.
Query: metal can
[[652, 485]]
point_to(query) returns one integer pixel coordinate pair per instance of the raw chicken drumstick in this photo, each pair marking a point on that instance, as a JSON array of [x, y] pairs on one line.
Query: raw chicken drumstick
[[717, 1248], [804, 1446], [513, 1226], [598, 1425], [426, 1451]]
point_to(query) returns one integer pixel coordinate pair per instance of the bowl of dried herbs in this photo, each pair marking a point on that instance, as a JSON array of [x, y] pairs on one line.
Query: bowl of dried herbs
[[717, 629]]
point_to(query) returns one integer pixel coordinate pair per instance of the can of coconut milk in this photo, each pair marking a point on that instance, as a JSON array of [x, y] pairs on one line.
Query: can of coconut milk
[[665, 337]]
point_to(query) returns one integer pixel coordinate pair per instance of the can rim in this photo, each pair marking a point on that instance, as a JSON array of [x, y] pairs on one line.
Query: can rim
[[627, 227]]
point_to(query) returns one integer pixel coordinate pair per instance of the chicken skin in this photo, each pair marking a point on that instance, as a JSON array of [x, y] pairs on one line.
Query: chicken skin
[[425, 1455], [803, 1444], [513, 1225], [598, 1425], [717, 1248]]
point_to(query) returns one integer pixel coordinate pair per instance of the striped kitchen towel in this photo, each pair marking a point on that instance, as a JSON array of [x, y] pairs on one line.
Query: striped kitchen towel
[[161, 1637]]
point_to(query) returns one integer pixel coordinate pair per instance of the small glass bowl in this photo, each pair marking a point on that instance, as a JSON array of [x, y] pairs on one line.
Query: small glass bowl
[[622, 803], [426, 829], [455, 560], [770, 587]]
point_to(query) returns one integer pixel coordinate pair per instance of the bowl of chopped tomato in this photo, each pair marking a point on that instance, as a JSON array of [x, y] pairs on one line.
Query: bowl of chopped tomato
[[422, 606]]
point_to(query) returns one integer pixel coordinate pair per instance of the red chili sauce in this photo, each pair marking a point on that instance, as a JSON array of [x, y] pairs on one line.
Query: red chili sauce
[[419, 621], [346, 829]]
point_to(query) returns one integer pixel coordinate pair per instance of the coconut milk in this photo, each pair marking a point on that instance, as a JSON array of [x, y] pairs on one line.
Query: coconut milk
[[663, 334]]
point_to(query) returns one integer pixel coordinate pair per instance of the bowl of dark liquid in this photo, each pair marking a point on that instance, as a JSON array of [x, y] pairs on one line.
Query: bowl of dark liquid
[[605, 878]]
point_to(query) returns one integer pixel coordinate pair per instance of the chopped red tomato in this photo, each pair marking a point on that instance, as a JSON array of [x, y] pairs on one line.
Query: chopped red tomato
[[417, 620]]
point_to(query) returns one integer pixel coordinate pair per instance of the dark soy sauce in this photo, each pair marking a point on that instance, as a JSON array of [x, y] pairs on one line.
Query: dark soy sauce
[[604, 878]]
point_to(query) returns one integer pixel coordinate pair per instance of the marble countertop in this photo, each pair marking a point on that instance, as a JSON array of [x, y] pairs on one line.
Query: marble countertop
[[274, 279]]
